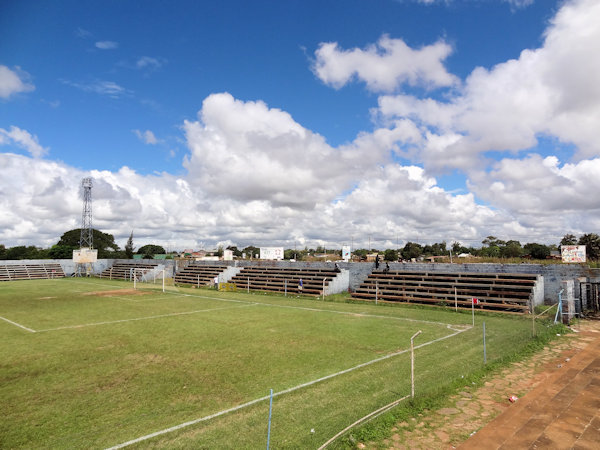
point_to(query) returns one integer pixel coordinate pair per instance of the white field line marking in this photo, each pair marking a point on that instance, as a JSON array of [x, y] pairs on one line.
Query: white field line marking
[[305, 308], [285, 391], [18, 325], [366, 418], [181, 294], [140, 318], [117, 297]]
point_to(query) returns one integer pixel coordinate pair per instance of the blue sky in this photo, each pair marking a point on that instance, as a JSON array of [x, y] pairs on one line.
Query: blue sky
[[444, 106]]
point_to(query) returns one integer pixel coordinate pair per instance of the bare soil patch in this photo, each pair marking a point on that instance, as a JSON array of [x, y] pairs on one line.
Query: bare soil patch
[[117, 292]]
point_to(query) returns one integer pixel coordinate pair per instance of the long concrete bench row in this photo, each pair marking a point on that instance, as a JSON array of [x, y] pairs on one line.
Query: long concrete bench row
[[123, 271], [30, 271], [496, 292], [199, 275], [275, 279]]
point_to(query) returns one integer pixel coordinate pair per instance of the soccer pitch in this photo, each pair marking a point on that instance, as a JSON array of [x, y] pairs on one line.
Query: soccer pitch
[[92, 363]]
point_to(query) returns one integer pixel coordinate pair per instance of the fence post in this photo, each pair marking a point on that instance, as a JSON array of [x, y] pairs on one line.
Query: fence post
[[559, 309], [455, 300], [270, 411], [248, 285], [376, 290], [484, 349], [533, 319], [285, 287], [412, 364]]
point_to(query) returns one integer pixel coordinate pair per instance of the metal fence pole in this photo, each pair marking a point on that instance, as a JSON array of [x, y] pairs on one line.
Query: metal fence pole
[[484, 349], [412, 363], [455, 300], [270, 411]]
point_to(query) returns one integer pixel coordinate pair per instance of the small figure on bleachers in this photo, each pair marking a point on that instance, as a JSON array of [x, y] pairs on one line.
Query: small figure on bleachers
[[377, 262], [387, 268], [300, 286], [337, 268]]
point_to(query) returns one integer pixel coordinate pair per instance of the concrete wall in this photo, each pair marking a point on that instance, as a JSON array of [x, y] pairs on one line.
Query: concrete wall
[[553, 274]]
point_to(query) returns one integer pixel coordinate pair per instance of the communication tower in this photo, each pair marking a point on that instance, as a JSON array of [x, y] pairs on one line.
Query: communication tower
[[86, 255], [87, 237]]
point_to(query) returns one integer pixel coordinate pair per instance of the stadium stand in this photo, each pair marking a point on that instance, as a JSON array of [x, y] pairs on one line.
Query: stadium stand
[[501, 292], [198, 275], [275, 279], [30, 271], [124, 271]]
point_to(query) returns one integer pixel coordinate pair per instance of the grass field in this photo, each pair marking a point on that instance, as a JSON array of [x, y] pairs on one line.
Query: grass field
[[90, 363]]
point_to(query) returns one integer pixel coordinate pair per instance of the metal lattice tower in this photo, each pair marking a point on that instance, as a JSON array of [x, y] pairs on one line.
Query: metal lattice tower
[[86, 239]]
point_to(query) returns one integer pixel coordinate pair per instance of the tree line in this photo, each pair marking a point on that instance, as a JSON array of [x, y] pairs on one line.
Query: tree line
[[491, 247], [69, 241]]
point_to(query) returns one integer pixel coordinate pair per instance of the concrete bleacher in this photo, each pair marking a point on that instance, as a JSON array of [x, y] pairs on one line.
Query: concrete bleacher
[[31, 271], [501, 292], [277, 279], [123, 270], [199, 275]]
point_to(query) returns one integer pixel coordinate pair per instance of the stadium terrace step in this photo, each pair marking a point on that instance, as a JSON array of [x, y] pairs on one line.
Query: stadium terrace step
[[123, 271], [275, 279], [495, 291], [13, 272], [199, 275]]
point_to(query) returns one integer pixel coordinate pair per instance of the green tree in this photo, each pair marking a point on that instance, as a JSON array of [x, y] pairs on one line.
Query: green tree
[[103, 242], [23, 252], [592, 245], [568, 239], [457, 248], [492, 246], [150, 249], [129, 247], [390, 255], [537, 251], [512, 249], [411, 250], [361, 253], [61, 252], [251, 251], [2, 251], [236, 252]]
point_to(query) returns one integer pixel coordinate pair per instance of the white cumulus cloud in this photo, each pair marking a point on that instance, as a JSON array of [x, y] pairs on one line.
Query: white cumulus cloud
[[22, 139], [13, 82], [549, 91], [107, 45], [384, 66], [147, 137]]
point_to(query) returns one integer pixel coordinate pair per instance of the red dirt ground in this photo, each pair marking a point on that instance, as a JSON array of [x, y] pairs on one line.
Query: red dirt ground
[[558, 406]]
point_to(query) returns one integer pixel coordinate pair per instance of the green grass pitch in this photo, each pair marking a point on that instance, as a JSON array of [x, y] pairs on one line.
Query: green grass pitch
[[90, 363]]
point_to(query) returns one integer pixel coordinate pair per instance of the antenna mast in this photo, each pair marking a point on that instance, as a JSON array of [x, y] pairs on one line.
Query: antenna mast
[[86, 239]]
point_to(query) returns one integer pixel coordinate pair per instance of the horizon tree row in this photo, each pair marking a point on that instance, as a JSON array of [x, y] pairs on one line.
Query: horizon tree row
[[491, 247]]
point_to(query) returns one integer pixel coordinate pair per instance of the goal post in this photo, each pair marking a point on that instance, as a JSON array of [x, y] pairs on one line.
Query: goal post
[[152, 279]]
